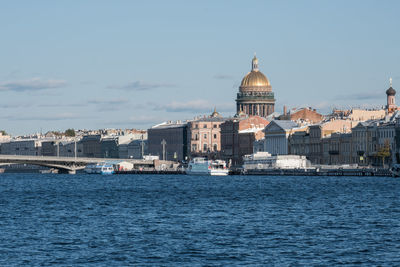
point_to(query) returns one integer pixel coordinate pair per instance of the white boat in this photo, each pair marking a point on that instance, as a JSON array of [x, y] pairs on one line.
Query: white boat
[[99, 168], [395, 170], [202, 166]]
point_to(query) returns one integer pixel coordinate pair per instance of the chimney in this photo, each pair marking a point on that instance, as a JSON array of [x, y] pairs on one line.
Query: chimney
[[284, 110]]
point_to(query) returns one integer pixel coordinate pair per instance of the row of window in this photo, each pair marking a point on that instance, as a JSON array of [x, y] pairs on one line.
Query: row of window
[[196, 126], [205, 147], [196, 137], [381, 134]]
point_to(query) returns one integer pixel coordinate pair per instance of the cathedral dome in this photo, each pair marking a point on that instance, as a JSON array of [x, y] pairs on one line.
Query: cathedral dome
[[255, 77]]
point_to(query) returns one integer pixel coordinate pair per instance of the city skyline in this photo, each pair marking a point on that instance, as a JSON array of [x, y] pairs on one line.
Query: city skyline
[[132, 65]]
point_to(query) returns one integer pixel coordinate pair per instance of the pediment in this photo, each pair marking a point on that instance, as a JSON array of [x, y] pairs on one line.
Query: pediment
[[273, 127]]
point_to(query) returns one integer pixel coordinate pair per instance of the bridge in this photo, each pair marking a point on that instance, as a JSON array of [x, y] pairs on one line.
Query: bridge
[[64, 164]]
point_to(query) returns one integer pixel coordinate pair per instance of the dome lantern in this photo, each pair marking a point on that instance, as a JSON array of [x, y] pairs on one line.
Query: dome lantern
[[254, 63]]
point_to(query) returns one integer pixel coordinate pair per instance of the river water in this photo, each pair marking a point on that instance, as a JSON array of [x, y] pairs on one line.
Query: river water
[[178, 220]]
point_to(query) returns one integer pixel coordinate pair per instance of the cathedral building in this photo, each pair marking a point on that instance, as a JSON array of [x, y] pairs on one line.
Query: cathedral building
[[255, 95]]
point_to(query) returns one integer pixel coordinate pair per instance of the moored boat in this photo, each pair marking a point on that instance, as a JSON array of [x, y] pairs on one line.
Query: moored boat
[[99, 168], [202, 166], [264, 162], [395, 170]]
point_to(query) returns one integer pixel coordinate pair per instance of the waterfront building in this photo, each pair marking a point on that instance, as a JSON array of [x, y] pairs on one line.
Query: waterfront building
[[255, 95], [91, 145], [387, 137], [204, 136], [299, 143], [277, 134], [364, 143], [135, 149], [168, 140], [64, 147], [323, 130], [24, 147], [110, 145], [238, 136], [336, 149]]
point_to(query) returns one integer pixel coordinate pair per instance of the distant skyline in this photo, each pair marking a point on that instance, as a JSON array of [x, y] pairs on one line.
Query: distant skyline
[[133, 64]]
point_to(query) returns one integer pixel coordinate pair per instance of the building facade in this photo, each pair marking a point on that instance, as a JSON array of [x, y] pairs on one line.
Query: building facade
[[238, 136], [204, 136], [168, 141], [32, 147], [276, 136]]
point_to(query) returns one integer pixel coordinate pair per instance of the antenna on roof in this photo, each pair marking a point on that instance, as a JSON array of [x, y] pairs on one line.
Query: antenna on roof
[[390, 81]]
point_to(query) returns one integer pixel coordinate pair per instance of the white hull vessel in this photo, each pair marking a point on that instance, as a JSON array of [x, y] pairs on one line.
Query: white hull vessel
[[201, 166], [99, 169]]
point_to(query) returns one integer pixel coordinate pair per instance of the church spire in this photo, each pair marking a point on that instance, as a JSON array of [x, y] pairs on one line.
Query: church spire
[[254, 63]]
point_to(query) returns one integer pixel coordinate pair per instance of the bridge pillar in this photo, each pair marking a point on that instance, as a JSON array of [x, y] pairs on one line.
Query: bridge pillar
[[71, 171]]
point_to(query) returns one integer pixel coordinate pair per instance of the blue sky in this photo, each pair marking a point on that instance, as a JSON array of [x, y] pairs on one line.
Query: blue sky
[[132, 64]]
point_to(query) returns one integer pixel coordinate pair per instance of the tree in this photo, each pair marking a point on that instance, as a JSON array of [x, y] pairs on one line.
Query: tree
[[384, 152], [3, 132], [70, 132]]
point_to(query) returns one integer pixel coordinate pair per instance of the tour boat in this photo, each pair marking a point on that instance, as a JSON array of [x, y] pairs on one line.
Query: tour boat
[[202, 166], [99, 168]]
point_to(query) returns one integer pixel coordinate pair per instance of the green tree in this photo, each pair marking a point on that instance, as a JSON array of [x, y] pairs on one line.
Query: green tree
[[3, 132], [384, 152], [70, 132]]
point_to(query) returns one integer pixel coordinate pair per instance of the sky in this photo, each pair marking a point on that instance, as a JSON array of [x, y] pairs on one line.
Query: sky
[[134, 64]]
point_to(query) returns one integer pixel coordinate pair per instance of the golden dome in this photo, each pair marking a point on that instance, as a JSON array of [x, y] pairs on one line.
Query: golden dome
[[255, 78]]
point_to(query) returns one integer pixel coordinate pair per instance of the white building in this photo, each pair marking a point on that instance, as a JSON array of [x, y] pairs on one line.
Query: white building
[[276, 136]]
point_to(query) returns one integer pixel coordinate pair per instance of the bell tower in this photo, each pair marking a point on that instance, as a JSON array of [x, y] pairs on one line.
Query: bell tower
[[391, 99]]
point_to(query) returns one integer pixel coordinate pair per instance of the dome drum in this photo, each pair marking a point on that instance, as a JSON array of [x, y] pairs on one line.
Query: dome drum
[[256, 96]]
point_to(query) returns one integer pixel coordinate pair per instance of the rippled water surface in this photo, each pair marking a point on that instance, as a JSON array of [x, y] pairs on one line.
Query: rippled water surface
[[179, 220]]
